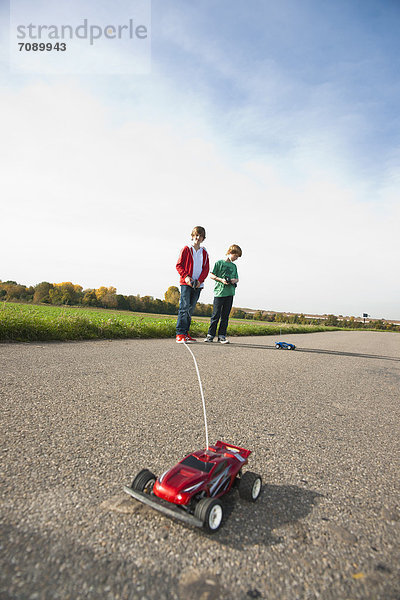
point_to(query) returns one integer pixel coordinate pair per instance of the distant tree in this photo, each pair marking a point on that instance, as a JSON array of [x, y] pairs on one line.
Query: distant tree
[[237, 313], [172, 295], [134, 302], [203, 310], [65, 293], [90, 298], [109, 300], [379, 324], [14, 291], [158, 306], [41, 293], [55, 295], [147, 303], [102, 291], [293, 319], [332, 321], [122, 302]]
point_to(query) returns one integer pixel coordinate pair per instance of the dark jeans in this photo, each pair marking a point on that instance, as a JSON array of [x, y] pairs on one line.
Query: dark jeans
[[187, 302], [221, 309]]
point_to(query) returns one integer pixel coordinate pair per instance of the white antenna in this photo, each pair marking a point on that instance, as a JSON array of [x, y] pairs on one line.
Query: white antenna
[[202, 395]]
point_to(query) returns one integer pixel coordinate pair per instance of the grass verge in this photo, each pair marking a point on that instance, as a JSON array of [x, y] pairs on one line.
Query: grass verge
[[28, 323]]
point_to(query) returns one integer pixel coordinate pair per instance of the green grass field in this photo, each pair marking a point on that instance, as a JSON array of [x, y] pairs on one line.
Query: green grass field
[[27, 322]]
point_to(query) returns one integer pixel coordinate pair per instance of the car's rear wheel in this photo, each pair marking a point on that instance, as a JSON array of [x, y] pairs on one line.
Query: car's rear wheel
[[144, 481], [250, 486], [210, 512]]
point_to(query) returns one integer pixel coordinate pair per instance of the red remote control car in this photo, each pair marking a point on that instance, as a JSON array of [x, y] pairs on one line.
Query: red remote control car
[[191, 490]]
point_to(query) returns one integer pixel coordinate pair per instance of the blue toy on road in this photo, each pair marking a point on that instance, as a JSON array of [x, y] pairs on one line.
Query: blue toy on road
[[284, 346]]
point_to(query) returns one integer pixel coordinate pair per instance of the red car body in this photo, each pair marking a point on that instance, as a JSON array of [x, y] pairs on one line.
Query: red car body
[[191, 490], [204, 473]]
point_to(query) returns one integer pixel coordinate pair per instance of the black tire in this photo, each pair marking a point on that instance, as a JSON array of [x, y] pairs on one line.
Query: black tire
[[144, 481], [210, 512], [250, 486]]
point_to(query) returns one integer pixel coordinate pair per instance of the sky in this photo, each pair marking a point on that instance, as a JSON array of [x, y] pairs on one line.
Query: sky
[[274, 125]]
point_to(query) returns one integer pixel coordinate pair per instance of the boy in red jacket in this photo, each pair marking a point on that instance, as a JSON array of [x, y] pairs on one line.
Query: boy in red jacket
[[193, 266]]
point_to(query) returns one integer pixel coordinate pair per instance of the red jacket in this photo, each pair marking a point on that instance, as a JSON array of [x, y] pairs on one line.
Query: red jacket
[[184, 266]]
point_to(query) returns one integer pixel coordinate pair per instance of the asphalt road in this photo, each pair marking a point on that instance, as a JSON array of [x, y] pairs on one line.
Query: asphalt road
[[80, 419]]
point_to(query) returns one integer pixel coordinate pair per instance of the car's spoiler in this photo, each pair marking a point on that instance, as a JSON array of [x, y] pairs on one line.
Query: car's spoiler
[[231, 449]]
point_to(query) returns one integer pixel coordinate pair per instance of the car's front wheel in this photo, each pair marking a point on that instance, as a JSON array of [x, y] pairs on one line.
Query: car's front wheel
[[250, 486], [144, 481], [210, 512]]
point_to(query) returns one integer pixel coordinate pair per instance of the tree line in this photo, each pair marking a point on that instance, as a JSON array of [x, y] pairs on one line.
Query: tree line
[[67, 293], [71, 294], [328, 320]]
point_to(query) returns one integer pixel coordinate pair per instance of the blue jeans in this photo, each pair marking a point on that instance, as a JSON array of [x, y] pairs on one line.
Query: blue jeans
[[221, 310], [187, 302]]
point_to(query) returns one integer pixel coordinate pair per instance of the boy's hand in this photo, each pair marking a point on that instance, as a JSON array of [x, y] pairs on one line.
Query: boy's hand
[[189, 281]]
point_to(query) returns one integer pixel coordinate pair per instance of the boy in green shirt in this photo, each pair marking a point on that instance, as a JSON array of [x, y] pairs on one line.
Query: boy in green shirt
[[225, 276]]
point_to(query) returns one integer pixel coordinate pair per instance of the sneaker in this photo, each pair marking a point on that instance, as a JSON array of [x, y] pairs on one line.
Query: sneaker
[[180, 338], [209, 338], [189, 338], [222, 339]]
